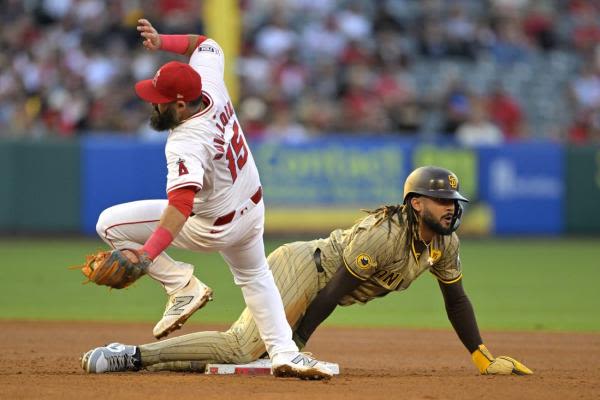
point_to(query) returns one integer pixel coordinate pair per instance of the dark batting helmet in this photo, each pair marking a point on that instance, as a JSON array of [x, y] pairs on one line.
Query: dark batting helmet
[[438, 183]]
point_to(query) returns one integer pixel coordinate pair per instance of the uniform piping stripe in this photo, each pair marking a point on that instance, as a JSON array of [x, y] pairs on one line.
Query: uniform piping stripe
[[204, 110], [125, 223], [352, 272], [414, 252], [450, 281], [429, 249]]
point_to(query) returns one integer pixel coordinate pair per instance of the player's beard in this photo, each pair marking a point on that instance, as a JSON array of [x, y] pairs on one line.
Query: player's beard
[[435, 225], [163, 121]]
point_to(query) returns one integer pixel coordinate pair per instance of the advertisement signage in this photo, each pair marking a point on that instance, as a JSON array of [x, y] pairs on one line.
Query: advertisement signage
[[524, 185]]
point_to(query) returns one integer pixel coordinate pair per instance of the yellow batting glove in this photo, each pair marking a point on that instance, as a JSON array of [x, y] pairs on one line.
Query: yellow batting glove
[[503, 365]]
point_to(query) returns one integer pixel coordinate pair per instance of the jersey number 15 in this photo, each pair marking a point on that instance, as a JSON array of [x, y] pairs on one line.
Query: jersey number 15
[[237, 152]]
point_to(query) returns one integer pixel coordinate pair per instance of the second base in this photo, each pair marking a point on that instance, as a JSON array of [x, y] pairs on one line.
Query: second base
[[258, 367]]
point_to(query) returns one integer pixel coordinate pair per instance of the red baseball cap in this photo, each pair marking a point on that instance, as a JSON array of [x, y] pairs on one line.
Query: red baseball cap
[[173, 81]]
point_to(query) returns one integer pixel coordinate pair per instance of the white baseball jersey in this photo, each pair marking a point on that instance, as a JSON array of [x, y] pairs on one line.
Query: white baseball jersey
[[209, 150]]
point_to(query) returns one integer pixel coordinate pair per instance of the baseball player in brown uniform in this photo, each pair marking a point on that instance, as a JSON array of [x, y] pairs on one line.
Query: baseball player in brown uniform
[[383, 252]]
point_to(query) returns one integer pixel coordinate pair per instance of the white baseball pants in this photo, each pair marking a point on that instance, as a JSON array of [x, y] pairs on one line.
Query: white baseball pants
[[240, 243]]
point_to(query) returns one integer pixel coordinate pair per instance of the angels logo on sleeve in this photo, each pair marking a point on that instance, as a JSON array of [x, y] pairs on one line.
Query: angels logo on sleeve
[[182, 168]]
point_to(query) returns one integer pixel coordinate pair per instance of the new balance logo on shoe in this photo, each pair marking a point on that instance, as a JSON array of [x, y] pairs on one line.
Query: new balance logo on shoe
[[180, 302], [181, 305], [305, 360], [292, 364]]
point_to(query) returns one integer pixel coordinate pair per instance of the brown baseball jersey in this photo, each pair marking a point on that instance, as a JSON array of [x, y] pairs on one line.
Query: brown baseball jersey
[[377, 254], [371, 250]]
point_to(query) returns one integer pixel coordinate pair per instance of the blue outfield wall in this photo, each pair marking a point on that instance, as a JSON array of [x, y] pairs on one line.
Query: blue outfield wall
[[118, 170], [522, 184]]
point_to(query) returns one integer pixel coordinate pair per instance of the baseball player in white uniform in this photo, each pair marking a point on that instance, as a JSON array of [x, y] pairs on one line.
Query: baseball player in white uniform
[[214, 201]]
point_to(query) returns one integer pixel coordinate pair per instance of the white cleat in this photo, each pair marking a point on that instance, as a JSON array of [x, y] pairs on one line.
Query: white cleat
[[181, 305], [115, 357], [293, 364]]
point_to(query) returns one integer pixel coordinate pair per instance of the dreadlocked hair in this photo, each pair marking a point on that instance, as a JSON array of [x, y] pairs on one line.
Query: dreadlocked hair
[[387, 214], [412, 221]]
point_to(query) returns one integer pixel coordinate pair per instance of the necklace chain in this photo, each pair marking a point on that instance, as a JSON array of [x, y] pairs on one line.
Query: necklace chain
[[429, 258]]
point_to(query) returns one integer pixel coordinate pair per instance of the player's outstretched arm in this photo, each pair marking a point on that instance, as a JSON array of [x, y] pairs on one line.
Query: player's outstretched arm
[[324, 303], [153, 41], [462, 316]]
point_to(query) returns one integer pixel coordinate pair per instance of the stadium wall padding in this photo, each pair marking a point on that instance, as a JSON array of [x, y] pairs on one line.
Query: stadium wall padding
[[41, 186], [8, 185], [520, 188], [583, 190]]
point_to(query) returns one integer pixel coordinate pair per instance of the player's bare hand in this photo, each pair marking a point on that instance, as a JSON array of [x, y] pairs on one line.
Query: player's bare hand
[[149, 34]]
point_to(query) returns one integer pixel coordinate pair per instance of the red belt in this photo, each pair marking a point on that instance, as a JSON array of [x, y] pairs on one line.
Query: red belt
[[227, 218]]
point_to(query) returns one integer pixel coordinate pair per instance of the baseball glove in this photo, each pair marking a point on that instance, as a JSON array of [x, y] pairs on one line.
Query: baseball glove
[[114, 268], [503, 365]]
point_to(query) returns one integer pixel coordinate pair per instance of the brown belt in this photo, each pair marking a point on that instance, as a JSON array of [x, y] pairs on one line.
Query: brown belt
[[227, 218]]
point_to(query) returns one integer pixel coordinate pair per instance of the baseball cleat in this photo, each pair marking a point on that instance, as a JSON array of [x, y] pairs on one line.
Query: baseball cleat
[[181, 305], [114, 357], [293, 364]]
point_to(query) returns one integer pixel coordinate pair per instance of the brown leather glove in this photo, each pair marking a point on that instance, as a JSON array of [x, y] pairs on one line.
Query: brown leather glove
[[114, 268]]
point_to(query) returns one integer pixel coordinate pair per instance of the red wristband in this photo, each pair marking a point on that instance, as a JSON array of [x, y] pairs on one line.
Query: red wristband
[[158, 242], [174, 43]]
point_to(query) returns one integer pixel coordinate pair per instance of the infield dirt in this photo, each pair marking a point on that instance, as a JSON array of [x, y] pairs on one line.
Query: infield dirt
[[40, 360]]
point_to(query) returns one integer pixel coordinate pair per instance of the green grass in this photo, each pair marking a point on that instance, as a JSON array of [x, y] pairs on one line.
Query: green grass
[[513, 284], [529, 284]]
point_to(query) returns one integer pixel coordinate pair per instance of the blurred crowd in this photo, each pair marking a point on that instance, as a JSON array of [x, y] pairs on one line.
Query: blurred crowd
[[475, 71], [68, 67]]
